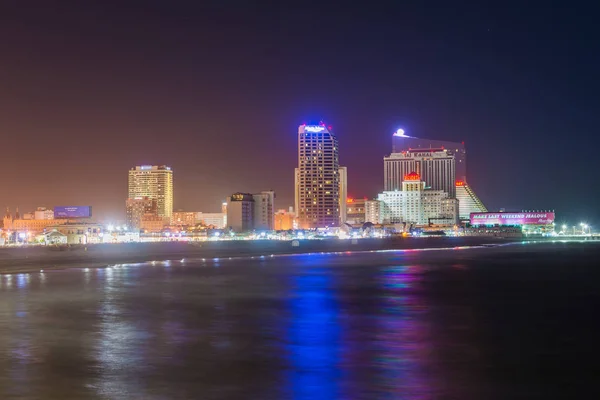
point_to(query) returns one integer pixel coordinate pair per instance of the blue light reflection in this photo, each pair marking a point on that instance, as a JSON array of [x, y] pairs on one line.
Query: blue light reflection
[[314, 337]]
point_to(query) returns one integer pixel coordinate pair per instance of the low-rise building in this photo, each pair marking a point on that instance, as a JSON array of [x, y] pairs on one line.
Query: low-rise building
[[355, 211], [285, 220], [183, 218], [153, 223], [213, 220], [18, 224], [79, 233], [416, 205]]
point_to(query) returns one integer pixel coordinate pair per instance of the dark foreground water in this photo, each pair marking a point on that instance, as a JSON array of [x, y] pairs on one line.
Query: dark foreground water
[[512, 322]]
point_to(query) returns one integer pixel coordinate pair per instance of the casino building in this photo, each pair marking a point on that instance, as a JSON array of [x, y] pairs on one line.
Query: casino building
[[442, 164], [415, 205], [468, 202], [537, 222], [437, 167]]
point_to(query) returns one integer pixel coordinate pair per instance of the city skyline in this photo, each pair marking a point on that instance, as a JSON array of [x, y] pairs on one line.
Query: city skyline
[[87, 94]]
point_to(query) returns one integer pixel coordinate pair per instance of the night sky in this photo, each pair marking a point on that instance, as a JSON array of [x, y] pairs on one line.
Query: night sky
[[217, 89]]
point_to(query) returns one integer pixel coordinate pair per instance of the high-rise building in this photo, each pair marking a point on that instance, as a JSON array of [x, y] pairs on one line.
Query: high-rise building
[[468, 202], [153, 182], [402, 142], [264, 207], [435, 166], [317, 179], [343, 193], [136, 208]]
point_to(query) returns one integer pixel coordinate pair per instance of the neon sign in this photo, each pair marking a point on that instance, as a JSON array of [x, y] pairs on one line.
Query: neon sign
[[460, 183], [314, 128]]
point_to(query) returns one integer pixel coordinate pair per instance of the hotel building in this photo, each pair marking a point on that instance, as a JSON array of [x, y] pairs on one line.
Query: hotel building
[[153, 182], [401, 142], [136, 209], [247, 212], [437, 167], [320, 182], [468, 202], [416, 205]]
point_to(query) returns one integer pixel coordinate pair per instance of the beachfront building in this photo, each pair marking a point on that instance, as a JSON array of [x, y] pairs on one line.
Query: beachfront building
[[285, 220], [416, 205], [138, 207], [355, 211], [264, 215], [320, 182], [16, 223], [213, 220], [183, 218], [154, 182], [240, 212], [79, 233]]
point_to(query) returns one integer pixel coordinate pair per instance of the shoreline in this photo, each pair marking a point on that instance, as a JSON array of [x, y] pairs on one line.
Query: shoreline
[[35, 259]]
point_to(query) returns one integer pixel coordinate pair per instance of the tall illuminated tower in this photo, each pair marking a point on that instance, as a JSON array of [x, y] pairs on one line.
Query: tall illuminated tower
[[154, 182], [317, 178]]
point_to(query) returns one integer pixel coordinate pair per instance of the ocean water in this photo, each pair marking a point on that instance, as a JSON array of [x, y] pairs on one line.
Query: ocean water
[[505, 322]]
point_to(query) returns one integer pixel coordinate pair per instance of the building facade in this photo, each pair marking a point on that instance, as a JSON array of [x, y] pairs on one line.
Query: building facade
[[374, 212], [213, 220], [355, 211], [43, 213], [153, 223], [285, 220], [402, 142], [416, 205], [468, 202], [435, 166], [343, 194], [240, 212], [136, 208], [317, 178], [264, 207], [154, 182], [80, 233], [18, 224], [184, 218]]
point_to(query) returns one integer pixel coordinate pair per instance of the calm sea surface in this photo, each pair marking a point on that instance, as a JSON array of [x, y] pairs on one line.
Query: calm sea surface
[[510, 322]]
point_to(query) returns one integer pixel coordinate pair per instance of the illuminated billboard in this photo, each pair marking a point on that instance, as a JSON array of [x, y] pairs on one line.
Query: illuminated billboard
[[72, 212], [508, 218]]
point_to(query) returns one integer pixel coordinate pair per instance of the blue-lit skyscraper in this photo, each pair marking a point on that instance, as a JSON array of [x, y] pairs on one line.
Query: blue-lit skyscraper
[[318, 185]]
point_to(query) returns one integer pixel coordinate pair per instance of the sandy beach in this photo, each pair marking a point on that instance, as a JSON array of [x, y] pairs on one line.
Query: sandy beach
[[28, 259]]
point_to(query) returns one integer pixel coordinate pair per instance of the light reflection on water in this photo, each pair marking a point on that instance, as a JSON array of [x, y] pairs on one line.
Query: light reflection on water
[[402, 340], [314, 337], [322, 326]]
